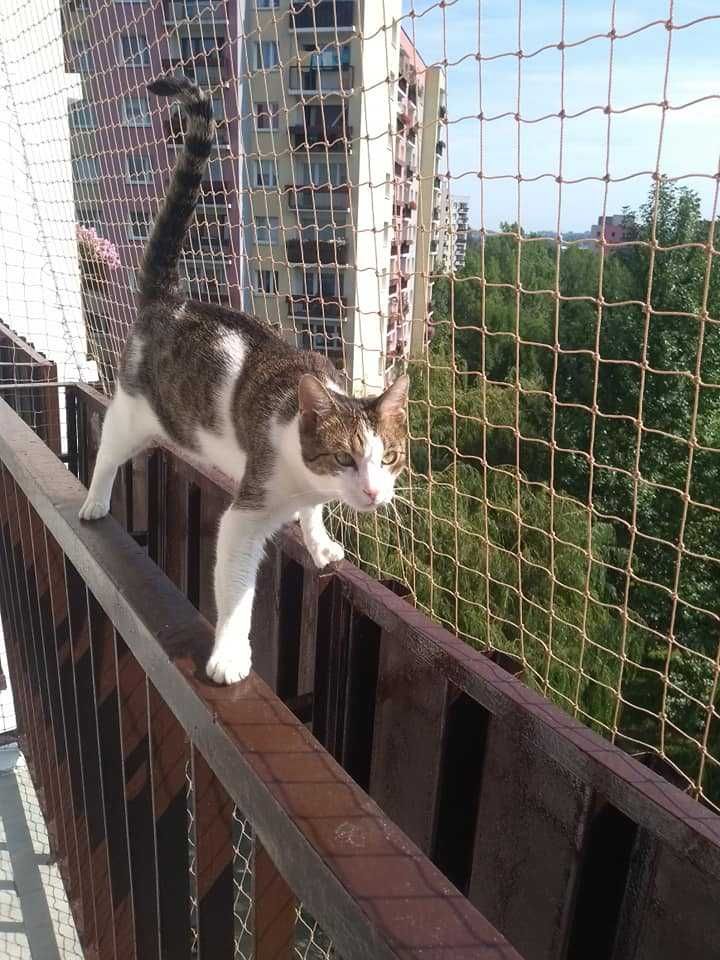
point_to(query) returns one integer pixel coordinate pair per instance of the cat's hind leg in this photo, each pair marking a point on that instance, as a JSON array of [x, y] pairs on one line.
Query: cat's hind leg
[[128, 427]]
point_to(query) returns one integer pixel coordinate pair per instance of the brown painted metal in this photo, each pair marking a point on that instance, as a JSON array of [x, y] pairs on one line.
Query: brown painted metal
[[137, 777], [21, 363], [50, 589], [85, 916], [170, 758], [86, 722], [110, 755], [274, 909], [528, 843], [550, 813], [213, 813], [408, 740], [370, 887]]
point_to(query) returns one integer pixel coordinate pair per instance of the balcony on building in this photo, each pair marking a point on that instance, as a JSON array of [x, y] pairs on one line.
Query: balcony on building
[[174, 131], [322, 197], [214, 193], [321, 80], [208, 240], [206, 71], [331, 135], [309, 245], [322, 15], [323, 337], [196, 11], [316, 306]]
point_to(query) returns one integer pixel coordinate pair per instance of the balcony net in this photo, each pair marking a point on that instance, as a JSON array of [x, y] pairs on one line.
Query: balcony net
[[515, 203]]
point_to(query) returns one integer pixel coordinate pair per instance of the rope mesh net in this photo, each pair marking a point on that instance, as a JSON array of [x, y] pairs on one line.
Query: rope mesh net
[[409, 186]]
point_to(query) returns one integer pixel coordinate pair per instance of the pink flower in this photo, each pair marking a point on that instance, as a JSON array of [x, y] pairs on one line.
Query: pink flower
[[97, 250]]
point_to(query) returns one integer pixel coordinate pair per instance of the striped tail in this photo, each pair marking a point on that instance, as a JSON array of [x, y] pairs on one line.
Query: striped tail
[[158, 273]]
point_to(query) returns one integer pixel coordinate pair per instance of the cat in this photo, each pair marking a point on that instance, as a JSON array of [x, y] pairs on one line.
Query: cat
[[226, 388]]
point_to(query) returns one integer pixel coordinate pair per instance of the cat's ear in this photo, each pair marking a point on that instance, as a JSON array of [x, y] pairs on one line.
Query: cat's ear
[[394, 401], [313, 398]]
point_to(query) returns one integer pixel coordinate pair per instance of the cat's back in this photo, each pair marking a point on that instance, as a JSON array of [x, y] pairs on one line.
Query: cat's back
[[202, 365]]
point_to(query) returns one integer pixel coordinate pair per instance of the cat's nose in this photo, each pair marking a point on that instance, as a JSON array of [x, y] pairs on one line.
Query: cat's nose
[[371, 493]]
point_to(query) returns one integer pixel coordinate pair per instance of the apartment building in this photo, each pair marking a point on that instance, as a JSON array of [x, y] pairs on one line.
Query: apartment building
[[318, 180], [460, 213], [337, 170], [123, 144], [452, 234]]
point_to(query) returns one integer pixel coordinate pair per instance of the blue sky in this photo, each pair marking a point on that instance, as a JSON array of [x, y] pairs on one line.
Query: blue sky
[[691, 137]]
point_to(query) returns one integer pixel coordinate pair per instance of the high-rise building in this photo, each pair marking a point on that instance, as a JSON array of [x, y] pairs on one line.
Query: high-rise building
[[319, 204], [453, 231]]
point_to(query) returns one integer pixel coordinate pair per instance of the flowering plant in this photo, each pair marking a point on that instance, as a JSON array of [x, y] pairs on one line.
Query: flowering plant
[[97, 255]]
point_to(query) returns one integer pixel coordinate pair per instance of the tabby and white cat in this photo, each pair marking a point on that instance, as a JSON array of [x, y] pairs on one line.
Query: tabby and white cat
[[225, 388]]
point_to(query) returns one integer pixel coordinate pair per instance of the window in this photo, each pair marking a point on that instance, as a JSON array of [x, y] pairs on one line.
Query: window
[[90, 217], [203, 46], [134, 50], [323, 284], [136, 112], [82, 61], [82, 116], [266, 115], [139, 225], [321, 173], [330, 58], [139, 168], [267, 4], [86, 168], [266, 229], [266, 281], [265, 55], [265, 174]]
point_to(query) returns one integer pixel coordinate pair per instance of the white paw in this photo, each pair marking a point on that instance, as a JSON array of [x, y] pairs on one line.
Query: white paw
[[93, 509], [326, 551], [230, 664]]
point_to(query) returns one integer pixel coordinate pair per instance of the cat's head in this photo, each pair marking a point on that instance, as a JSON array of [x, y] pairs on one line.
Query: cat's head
[[357, 446]]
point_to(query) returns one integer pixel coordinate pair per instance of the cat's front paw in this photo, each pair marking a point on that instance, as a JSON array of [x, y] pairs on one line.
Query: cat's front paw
[[327, 551], [93, 509], [231, 664]]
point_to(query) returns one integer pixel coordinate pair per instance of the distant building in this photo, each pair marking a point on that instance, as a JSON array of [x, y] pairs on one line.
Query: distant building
[[614, 229], [453, 231]]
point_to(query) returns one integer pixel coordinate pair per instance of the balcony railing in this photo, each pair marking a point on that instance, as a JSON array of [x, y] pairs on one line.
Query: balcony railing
[[174, 131], [318, 198], [570, 847], [203, 73], [311, 250], [322, 15], [331, 137], [316, 306], [203, 11], [321, 80]]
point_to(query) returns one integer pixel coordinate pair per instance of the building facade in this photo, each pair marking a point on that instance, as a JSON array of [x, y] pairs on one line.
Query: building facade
[[611, 228], [317, 209]]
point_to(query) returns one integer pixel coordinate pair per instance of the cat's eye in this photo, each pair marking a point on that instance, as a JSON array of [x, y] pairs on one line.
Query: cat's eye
[[390, 457], [344, 459]]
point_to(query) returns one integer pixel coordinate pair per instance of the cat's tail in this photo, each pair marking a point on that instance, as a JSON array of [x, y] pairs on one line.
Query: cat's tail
[[158, 274]]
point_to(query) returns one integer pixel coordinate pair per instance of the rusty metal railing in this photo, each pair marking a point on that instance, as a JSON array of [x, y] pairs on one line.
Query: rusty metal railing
[[569, 848]]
